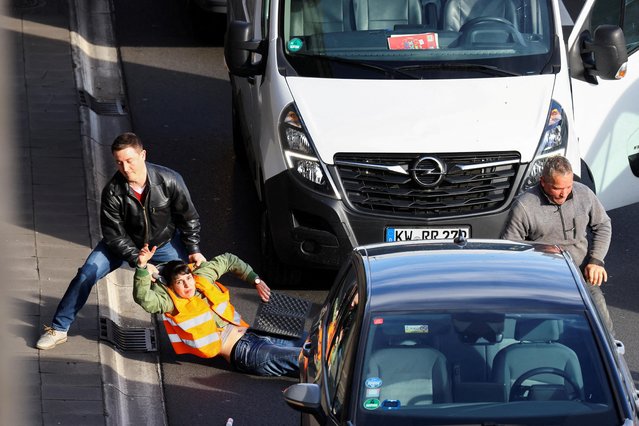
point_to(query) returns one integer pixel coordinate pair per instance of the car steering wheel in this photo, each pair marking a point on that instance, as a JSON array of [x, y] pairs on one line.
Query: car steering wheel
[[483, 20], [515, 390], [419, 398], [509, 27]]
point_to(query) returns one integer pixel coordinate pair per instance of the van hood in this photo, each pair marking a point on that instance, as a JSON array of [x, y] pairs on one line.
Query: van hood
[[424, 116]]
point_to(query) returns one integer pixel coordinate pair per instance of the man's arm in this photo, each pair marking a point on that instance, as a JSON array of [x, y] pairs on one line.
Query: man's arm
[[601, 228], [516, 227], [113, 232], [223, 263], [152, 297]]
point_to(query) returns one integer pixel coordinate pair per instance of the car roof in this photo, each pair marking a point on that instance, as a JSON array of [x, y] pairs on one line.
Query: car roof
[[476, 274]]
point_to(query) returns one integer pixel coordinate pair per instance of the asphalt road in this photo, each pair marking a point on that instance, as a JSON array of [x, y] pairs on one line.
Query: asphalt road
[[179, 98]]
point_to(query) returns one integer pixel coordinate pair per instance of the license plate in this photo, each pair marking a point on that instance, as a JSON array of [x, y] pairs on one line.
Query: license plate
[[429, 233]]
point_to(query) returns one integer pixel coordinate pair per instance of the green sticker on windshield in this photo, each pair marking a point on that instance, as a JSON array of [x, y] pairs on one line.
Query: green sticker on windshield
[[295, 44], [371, 404]]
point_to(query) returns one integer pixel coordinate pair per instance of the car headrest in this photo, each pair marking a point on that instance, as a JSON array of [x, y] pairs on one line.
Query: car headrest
[[479, 328], [537, 330]]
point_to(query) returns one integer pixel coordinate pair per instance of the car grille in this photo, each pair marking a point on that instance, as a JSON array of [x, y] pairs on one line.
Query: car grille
[[409, 185]]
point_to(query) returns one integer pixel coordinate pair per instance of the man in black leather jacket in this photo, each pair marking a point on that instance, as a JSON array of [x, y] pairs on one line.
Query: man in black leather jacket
[[142, 204]]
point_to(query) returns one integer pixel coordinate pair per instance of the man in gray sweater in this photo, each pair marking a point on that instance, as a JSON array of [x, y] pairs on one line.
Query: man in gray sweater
[[562, 212]]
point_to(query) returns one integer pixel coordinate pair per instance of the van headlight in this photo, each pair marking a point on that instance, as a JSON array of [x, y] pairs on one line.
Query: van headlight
[[553, 142], [300, 154]]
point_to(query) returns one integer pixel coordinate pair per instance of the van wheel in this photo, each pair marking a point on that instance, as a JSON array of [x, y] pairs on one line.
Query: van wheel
[[274, 271], [238, 140]]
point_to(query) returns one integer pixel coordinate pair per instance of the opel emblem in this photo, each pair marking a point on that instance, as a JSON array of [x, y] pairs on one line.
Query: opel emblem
[[428, 171]]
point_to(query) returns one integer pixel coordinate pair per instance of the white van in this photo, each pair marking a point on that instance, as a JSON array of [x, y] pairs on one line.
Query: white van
[[382, 120]]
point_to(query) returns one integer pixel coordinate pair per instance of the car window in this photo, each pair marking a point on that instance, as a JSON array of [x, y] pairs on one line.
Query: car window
[[344, 288], [337, 352], [606, 12], [265, 18], [478, 367], [631, 25], [615, 12]]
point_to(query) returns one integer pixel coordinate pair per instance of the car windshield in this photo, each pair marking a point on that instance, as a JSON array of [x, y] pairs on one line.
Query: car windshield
[[418, 38], [483, 368]]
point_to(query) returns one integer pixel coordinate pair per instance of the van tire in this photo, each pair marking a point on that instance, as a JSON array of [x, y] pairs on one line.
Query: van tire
[[276, 273]]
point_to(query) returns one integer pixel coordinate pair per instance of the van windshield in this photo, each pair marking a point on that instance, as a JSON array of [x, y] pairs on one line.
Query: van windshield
[[419, 38]]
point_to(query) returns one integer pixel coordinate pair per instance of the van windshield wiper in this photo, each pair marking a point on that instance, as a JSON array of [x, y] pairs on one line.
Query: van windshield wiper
[[390, 71], [488, 69]]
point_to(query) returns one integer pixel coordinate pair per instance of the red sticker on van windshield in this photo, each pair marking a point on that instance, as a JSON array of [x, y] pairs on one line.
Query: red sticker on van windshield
[[378, 321]]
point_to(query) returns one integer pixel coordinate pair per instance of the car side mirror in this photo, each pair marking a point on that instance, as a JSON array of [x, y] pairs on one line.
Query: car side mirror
[[605, 54], [239, 50], [305, 397]]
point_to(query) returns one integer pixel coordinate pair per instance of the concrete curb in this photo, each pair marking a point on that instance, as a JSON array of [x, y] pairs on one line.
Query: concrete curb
[[132, 384]]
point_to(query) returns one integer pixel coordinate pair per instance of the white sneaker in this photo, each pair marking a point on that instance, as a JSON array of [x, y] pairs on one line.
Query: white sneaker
[[51, 338]]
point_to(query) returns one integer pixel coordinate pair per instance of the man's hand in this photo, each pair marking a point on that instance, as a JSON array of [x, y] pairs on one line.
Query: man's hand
[[595, 274], [262, 290], [153, 270], [145, 255], [197, 258]]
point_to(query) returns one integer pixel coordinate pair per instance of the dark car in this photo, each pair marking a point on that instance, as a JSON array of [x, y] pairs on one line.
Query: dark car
[[475, 332]]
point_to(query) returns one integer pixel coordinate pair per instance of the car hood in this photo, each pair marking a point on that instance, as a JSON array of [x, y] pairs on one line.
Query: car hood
[[424, 116]]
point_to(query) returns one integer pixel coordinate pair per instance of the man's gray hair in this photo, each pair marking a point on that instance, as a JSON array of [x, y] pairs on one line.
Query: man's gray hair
[[556, 164]]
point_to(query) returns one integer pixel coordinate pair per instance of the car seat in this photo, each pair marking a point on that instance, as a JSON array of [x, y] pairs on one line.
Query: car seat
[[321, 16], [411, 375], [385, 14], [538, 356], [458, 12]]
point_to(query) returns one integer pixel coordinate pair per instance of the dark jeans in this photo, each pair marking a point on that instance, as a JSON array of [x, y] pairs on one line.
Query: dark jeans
[[266, 355], [101, 262]]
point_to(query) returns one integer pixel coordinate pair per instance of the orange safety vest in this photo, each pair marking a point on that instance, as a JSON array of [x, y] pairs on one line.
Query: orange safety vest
[[191, 326]]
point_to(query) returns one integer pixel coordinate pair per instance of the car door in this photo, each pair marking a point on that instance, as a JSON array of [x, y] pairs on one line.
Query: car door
[[607, 113], [339, 358], [246, 90]]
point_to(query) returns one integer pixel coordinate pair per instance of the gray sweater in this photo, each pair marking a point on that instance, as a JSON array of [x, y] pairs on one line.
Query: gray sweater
[[533, 217]]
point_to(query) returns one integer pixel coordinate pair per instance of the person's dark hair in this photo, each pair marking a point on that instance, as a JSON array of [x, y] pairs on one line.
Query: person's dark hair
[[127, 140], [556, 164], [173, 269]]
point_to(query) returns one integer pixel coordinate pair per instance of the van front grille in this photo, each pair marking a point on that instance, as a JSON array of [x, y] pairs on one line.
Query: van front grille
[[427, 185]]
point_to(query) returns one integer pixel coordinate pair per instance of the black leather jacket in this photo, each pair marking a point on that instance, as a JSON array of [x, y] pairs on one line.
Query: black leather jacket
[[127, 224]]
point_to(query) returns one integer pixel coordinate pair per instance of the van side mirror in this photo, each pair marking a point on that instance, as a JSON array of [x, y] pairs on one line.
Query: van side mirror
[[239, 49], [604, 55]]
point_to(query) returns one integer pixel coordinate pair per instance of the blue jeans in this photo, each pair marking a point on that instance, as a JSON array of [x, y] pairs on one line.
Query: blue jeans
[[101, 262], [266, 355]]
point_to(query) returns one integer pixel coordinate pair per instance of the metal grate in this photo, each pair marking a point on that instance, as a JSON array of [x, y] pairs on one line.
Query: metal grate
[[283, 314], [425, 185], [102, 107], [128, 338]]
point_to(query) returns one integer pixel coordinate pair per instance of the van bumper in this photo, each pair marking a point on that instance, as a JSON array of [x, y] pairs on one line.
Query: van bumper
[[313, 230]]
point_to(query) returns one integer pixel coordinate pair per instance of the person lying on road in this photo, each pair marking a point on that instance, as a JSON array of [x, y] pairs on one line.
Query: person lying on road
[[200, 319]]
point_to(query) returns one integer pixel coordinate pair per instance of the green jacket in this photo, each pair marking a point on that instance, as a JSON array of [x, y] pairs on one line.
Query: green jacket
[[154, 298]]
